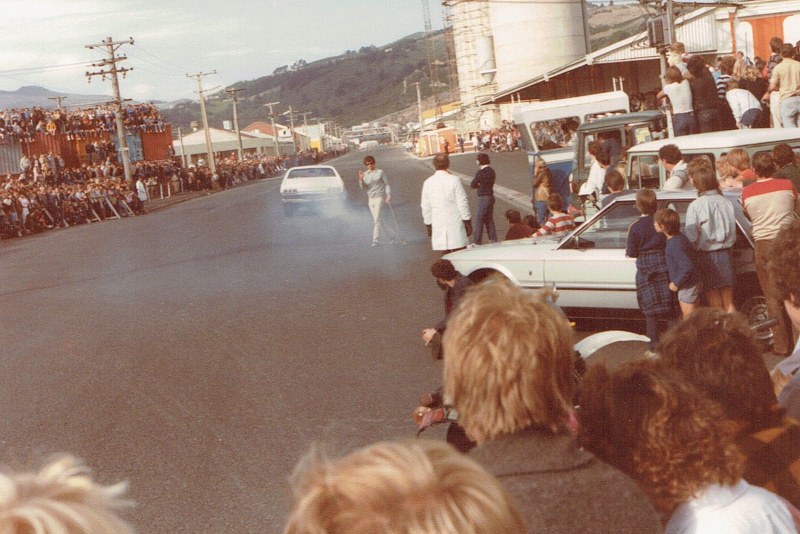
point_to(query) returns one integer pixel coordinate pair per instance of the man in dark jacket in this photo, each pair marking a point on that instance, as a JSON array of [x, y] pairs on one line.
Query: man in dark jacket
[[484, 183], [454, 285], [508, 371]]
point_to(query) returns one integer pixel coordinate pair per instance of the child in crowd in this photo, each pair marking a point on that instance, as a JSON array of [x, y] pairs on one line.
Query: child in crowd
[[652, 276], [680, 260], [530, 220], [516, 230], [558, 222]]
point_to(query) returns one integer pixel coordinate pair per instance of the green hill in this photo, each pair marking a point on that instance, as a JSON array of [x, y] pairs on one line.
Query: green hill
[[355, 87]]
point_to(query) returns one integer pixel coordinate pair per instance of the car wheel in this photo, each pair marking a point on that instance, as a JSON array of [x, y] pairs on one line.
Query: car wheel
[[755, 309], [482, 274], [288, 209]]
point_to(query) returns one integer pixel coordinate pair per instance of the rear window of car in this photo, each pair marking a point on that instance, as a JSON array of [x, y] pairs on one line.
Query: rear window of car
[[310, 173]]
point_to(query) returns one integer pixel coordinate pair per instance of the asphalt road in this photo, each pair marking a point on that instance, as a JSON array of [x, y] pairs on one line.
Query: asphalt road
[[199, 351]]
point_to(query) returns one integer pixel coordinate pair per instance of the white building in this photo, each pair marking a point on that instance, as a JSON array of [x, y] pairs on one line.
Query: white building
[[501, 44]]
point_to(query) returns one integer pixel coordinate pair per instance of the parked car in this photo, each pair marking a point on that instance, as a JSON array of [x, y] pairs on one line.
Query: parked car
[[589, 268], [644, 170], [311, 184]]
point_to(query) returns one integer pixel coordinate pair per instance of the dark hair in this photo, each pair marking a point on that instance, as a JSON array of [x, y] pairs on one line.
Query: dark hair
[[530, 220], [670, 153], [443, 269], [441, 162], [674, 75], [775, 44], [646, 201], [595, 147], [554, 202], [726, 65], [603, 158], [368, 160], [614, 180], [669, 220], [787, 50], [718, 353], [513, 216], [483, 159], [763, 165], [702, 173], [784, 263], [697, 66], [783, 154]]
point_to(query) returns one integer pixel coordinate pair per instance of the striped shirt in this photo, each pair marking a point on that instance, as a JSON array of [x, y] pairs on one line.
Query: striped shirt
[[770, 205], [557, 223]]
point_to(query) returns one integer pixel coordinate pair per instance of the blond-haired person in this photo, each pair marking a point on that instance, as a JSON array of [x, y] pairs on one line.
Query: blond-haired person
[[60, 498], [508, 371], [408, 487]]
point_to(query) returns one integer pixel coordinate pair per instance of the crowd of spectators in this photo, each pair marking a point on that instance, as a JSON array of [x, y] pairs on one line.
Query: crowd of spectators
[[46, 194], [506, 138], [21, 124]]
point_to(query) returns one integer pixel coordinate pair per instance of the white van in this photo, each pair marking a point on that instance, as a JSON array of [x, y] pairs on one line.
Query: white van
[[644, 170]]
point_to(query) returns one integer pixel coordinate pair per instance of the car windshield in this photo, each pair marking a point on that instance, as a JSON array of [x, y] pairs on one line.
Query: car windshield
[[311, 173]]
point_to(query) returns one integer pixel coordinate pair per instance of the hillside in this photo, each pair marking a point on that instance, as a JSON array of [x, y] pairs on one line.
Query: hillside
[[355, 87], [33, 96]]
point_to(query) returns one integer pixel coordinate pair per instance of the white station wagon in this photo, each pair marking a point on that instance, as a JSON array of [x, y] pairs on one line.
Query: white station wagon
[[589, 268]]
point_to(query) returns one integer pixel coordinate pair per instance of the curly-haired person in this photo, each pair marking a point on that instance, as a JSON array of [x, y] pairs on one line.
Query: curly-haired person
[[648, 421], [718, 353], [408, 487], [784, 271], [508, 371], [60, 498]]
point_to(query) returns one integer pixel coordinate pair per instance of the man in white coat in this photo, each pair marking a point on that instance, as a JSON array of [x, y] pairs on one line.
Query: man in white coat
[[445, 208]]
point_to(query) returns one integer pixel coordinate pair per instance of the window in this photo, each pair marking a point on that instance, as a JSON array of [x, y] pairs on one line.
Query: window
[[311, 173], [611, 230], [645, 172], [556, 133]]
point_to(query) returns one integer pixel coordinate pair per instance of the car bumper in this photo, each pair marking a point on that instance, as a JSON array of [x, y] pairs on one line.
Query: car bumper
[[302, 198]]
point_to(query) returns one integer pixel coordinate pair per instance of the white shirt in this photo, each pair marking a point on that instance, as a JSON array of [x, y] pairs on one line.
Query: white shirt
[[594, 183], [680, 96], [737, 509], [679, 178], [740, 101], [445, 206]]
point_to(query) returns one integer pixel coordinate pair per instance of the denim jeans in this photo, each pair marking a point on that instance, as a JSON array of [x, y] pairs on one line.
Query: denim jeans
[[485, 218], [683, 124], [541, 211], [790, 112]]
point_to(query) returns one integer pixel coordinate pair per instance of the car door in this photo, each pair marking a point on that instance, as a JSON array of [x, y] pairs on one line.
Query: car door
[[590, 269]]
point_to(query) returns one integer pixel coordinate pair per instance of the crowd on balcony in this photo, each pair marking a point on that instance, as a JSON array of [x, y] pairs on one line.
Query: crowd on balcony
[[22, 124]]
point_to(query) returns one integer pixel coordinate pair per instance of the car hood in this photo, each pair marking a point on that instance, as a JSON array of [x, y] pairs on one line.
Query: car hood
[[516, 249]]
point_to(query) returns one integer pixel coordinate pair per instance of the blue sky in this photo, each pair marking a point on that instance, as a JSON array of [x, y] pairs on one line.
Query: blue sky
[[42, 42]]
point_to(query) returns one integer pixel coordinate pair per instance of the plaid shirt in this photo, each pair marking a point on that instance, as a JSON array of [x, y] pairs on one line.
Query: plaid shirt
[[773, 458]]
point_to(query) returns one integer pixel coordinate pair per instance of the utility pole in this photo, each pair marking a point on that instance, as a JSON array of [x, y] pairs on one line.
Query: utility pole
[[58, 100], [291, 127], [183, 150], [305, 115], [111, 47], [212, 164], [274, 131], [419, 110], [235, 100]]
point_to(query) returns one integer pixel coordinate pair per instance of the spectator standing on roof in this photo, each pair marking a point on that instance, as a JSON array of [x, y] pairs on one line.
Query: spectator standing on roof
[[484, 184], [445, 208], [704, 95], [379, 194], [745, 107], [680, 97], [786, 81], [770, 203], [772, 97]]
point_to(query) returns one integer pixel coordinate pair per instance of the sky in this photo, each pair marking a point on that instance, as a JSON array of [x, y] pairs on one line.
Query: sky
[[43, 42]]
